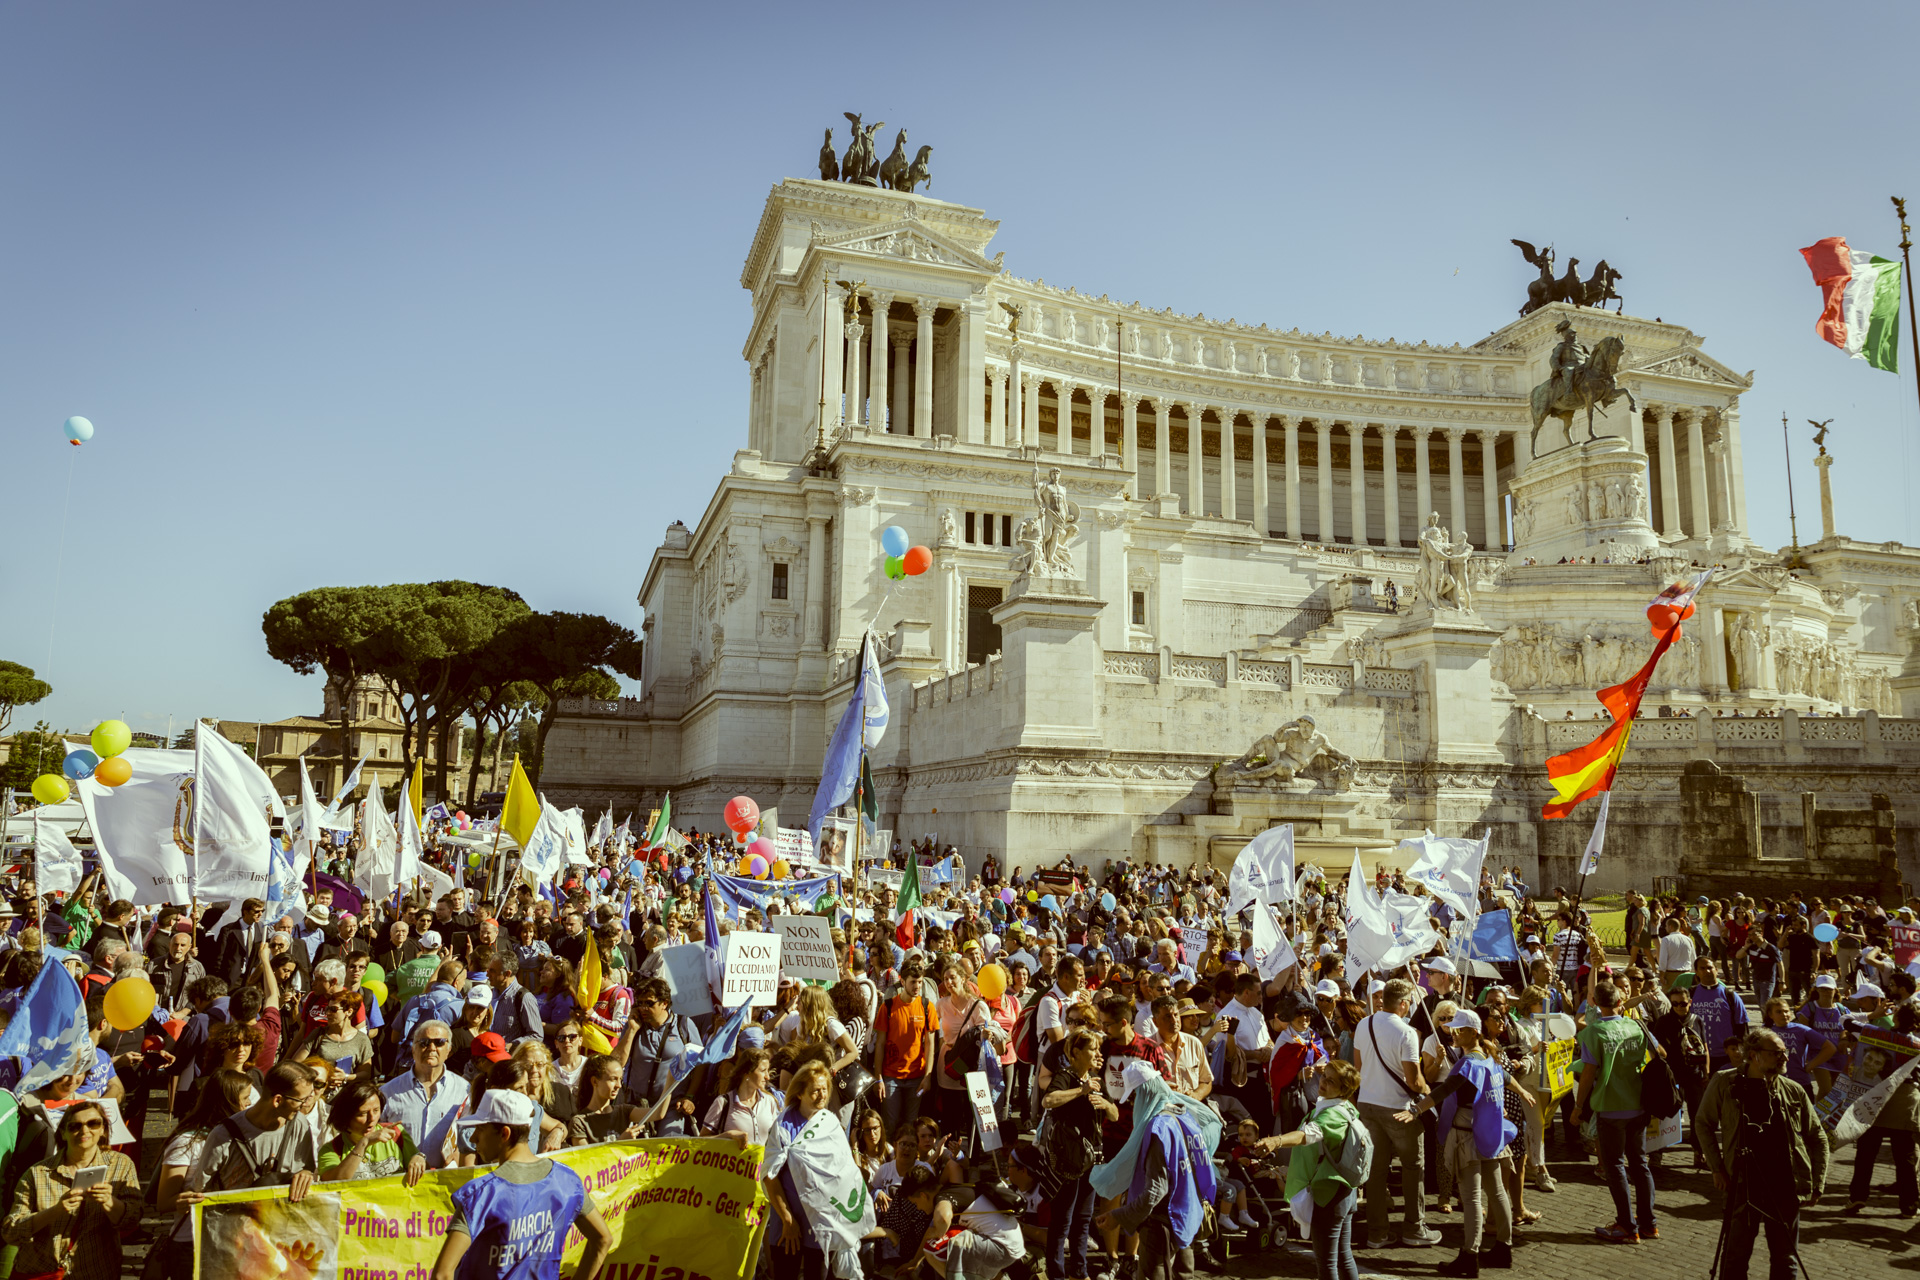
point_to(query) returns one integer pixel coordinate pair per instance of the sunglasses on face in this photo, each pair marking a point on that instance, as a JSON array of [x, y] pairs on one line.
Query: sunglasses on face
[[95, 1123], [435, 1043]]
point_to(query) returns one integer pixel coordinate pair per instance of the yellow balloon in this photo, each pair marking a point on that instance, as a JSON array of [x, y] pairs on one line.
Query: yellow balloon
[[51, 788], [111, 737], [114, 771], [1033, 895], [379, 989], [781, 870], [130, 1003], [992, 980]]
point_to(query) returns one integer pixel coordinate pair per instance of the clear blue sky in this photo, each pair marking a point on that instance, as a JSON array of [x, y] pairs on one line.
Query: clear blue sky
[[360, 293]]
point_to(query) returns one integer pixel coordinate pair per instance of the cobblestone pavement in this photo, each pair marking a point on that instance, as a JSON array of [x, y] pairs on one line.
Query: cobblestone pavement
[[1562, 1246]]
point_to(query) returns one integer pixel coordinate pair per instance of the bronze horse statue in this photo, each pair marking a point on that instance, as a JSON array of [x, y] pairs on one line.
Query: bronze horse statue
[[894, 167], [1593, 387]]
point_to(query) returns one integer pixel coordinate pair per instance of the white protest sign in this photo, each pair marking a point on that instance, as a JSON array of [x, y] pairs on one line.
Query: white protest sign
[[806, 949], [981, 1096], [753, 969], [884, 878], [792, 845], [684, 969], [1194, 941]]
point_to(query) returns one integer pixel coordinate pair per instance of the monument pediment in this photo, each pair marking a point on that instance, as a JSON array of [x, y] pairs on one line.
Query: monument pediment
[[1690, 364], [909, 239]]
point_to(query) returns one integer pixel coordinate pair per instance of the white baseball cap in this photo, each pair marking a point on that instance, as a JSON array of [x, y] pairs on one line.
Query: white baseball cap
[[1532, 937], [1869, 991], [430, 941], [1464, 1018], [480, 994], [1327, 987], [1440, 964], [500, 1106], [1825, 980], [1375, 987]]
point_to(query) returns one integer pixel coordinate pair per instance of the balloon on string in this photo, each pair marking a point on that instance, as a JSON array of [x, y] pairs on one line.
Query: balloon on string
[[130, 1002], [51, 788], [376, 986], [1006, 896], [742, 815], [636, 868], [894, 541], [1050, 903], [1825, 932], [917, 561], [111, 737], [78, 430], [762, 849], [1663, 618], [895, 569], [754, 865], [79, 764], [992, 980], [1106, 901], [112, 772], [1033, 895]]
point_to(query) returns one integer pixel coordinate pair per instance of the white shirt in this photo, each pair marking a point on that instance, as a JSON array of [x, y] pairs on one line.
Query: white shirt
[[1380, 1067], [789, 1029], [1143, 1018], [1676, 951], [1053, 1011], [1252, 1033]]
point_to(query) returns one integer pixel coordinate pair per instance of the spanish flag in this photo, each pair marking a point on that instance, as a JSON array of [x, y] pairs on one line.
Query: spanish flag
[[1622, 701], [1586, 771]]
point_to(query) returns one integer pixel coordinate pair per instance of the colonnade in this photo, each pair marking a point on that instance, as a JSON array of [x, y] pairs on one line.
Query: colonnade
[[1360, 480], [1694, 468]]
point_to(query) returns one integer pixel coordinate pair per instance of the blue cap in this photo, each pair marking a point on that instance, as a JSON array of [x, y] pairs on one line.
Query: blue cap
[[753, 1037], [1233, 956]]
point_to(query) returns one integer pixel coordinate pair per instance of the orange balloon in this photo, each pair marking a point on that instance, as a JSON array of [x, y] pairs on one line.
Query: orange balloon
[[917, 561], [112, 771]]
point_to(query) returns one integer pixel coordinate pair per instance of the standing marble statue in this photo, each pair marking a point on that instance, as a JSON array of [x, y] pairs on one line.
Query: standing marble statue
[[1055, 525], [1442, 578]]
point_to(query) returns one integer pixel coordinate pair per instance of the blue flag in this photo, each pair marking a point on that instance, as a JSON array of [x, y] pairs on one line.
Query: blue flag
[[841, 770], [718, 1048], [49, 1029], [1493, 937]]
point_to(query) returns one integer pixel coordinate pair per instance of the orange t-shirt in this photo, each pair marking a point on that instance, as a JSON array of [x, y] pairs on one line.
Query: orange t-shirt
[[907, 1022]]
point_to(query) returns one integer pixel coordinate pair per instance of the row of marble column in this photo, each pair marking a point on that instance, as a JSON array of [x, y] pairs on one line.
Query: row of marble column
[[868, 405], [1715, 483], [1008, 415]]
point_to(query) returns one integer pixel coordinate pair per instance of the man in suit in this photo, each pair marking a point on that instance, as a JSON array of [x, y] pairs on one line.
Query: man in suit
[[240, 944], [345, 940], [401, 948]]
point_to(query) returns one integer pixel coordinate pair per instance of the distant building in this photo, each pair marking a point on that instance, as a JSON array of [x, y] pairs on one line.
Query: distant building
[[374, 731]]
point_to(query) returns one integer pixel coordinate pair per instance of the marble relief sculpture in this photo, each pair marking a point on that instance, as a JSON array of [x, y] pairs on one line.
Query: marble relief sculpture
[[1293, 748]]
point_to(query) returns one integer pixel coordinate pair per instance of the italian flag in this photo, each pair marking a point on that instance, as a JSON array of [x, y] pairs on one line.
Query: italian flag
[[908, 899], [1861, 315]]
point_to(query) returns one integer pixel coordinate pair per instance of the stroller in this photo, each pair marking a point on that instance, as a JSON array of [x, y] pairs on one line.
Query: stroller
[[1266, 1188]]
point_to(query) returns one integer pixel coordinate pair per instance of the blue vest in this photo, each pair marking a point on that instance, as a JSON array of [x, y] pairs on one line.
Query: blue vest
[[1190, 1176], [1492, 1131], [519, 1229]]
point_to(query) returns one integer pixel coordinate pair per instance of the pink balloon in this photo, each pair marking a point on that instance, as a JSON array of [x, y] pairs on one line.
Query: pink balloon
[[762, 848]]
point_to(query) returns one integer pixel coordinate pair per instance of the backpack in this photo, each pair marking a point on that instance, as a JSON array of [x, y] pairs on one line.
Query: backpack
[[1659, 1095], [963, 1055], [1026, 1034], [1354, 1161]]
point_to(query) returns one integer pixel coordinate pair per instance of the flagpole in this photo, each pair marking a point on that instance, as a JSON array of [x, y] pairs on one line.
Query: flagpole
[[1906, 270]]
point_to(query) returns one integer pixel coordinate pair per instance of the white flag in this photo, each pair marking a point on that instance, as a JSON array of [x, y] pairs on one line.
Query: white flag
[[56, 863], [1590, 861], [874, 705], [602, 829], [1450, 869], [1382, 936], [340, 816], [380, 846], [573, 826], [1272, 953], [546, 850], [410, 861], [143, 828], [1263, 871], [304, 834], [233, 805]]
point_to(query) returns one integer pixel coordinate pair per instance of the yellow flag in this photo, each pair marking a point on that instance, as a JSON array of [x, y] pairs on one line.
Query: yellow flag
[[419, 781], [587, 994], [521, 813]]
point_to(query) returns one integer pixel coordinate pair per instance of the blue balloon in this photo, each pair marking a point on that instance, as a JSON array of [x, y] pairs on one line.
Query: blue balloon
[[893, 540], [1050, 903], [79, 430], [1106, 901], [1825, 933], [80, 764], [636, 867]]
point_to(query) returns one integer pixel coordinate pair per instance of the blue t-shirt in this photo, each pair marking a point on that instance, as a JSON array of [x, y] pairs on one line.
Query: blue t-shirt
[[519, 1229]]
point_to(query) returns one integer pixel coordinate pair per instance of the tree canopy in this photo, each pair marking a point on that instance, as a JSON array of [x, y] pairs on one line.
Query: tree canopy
[[18, 688]]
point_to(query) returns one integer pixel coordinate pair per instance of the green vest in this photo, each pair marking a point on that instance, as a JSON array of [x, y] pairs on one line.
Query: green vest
[[1620, 1047], [411, 978]]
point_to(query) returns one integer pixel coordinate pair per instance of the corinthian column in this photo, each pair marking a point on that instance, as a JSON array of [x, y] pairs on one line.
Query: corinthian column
[[1490, 486], [1229, 478], [1422, 478], [1669, 474], [1262, 518], [923, 309], [877, 364], [902, 393], [1096, 421], [1702, 525], [852, 388], [1196, 460], [1323, 432], [1130, 442], [1002, 403], [1390, 480], [1357, 479], [1456, 481], [1162, 446], [1291, 429], [1015, 397]]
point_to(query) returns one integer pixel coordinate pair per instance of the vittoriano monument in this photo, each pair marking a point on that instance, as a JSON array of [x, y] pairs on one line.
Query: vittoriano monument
[[1595, 291], [858, 166]]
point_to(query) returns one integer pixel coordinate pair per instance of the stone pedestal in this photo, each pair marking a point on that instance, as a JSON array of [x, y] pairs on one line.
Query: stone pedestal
[[1051, 661], [1582, 501], [1453, 651]]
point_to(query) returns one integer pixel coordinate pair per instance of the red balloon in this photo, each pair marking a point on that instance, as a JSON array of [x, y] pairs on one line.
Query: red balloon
[[1686, 613], [742, 815], [917, 561], [1662, 617]]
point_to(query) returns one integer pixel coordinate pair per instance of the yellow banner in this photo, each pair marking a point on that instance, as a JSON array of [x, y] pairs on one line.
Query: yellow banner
[[679, 1209], [1557, 1073]]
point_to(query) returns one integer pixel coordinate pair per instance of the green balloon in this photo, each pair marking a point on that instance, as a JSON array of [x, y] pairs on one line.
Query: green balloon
[[895, 568], [110, 738], [374, 973]]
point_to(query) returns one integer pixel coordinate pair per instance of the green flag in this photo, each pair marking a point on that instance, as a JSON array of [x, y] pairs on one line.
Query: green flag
[[662, 822], [908, 899]]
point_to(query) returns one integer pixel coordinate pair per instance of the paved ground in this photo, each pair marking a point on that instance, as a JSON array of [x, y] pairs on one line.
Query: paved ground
[[1561, 1246]]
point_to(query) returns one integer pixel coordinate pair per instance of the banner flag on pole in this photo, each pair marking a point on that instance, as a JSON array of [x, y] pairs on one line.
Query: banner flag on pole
[[521, 812], [1590, 861], [840, 771]]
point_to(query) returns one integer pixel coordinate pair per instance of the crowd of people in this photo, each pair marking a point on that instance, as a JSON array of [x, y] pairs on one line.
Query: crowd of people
[[1153, 1080]]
